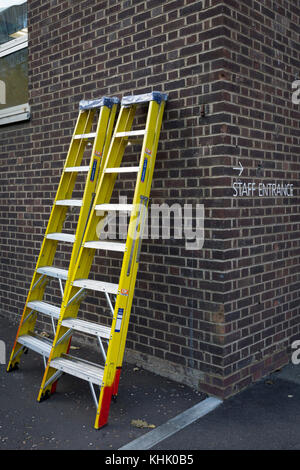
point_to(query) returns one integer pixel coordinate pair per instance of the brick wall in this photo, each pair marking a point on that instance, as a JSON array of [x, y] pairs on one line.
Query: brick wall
[[261, 298], [221, 317]]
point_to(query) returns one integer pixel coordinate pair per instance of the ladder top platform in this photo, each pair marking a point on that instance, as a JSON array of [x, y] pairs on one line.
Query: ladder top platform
[[98, 103], [145, 98]]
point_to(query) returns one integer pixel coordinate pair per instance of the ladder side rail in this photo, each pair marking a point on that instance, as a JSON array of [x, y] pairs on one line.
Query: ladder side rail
[[127, 279], [146, 192]]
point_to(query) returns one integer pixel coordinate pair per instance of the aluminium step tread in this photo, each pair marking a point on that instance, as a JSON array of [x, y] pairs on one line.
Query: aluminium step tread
[[36, 343], [87, 327], [69, 202], [90, 135], [79, 368], [51, 271], [123, 169], [103, 245], [44, 307], [97, 285], [130, 133], [75, 169], [62, 237], [114, 207]]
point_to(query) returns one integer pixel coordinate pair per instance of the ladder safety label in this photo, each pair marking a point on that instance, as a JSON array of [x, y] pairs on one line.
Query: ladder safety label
[[119, 320], [144, 170], [124, 292], [94, 170], [148, 152], [98, 154]]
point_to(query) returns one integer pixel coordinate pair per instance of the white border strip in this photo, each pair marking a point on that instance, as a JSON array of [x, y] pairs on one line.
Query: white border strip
[[14, 114], [174, 425], [14, 45]]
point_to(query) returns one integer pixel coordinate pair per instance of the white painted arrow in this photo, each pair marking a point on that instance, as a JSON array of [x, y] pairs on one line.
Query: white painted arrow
[[240, 168]]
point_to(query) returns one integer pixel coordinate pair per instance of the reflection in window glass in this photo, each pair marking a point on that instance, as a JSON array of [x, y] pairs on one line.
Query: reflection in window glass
[[13, 61], [14, 73], [13, 19]]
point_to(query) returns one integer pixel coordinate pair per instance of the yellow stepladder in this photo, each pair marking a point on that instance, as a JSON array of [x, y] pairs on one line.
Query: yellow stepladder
[[107, 376], [101, 113]]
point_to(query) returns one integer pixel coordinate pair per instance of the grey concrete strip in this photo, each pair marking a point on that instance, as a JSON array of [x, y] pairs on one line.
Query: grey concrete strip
[[173, 425], [291, 373]]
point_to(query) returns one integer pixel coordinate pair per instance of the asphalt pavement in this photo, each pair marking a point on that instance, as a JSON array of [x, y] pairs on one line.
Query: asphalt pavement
[[265, 416]]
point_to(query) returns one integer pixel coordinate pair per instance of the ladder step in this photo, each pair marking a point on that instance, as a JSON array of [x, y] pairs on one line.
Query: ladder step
[[97, 285], [70, 169], [129, 169], [45, 308], [69, 202], [114, 207], [79, 368], [130, 133], [111, 246], [36, 343], [87, 327], [51, 271], [62, 237], [92, 135]]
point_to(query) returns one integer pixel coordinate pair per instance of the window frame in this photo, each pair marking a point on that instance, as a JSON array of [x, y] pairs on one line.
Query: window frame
[[22, 111]]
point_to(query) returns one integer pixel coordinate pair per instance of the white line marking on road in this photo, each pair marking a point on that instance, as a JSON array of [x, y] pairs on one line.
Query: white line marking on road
[[150, 439]]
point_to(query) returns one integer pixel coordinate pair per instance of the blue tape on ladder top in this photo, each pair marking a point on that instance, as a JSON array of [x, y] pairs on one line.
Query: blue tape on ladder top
[[135, 99], [98, 103]]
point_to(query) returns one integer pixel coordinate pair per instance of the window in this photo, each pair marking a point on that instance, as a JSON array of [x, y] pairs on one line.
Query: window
[[13, 61]]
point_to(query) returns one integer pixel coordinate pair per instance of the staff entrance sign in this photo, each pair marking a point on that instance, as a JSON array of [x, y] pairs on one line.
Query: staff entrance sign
[[247, 189]]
